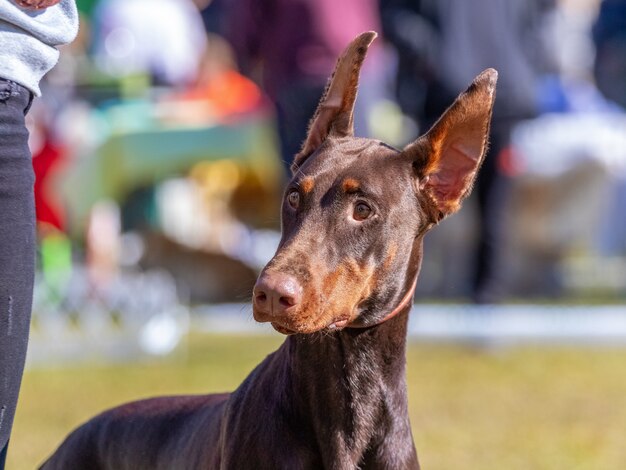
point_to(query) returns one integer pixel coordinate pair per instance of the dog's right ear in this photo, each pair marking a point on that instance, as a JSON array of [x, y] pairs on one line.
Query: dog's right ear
[[334, 114]]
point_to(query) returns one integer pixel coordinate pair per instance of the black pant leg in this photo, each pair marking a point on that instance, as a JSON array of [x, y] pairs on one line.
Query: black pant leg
[[492, 188], [17, 248]]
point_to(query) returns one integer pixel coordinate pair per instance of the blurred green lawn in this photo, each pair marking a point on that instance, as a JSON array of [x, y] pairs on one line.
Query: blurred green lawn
[[514, 408]]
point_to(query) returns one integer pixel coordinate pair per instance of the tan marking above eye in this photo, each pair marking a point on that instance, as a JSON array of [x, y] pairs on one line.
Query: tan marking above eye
[[307, 184], [350, 185]]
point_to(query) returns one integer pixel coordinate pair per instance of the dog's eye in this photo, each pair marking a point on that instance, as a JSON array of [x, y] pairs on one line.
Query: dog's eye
[[361, 211], [293, 198]]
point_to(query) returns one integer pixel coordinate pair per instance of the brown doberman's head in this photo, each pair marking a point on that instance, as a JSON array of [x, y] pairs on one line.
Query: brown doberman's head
[[356, 210]]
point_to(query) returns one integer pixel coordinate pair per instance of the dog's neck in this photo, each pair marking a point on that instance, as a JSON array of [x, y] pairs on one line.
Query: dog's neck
[[340, 396], [350, 386]]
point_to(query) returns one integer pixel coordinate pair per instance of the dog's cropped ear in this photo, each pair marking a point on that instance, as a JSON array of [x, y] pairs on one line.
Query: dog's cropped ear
[[334, 114], [447, 158]]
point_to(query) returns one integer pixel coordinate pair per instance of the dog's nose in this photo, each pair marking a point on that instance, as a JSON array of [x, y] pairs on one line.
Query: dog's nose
[[276, 293]]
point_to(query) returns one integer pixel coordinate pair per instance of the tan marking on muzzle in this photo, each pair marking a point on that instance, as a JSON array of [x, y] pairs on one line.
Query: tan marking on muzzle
[[391, 255], [329, 297], [343, 289]]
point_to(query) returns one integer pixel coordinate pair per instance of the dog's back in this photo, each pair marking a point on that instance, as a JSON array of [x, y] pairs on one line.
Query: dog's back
[[153, 427]]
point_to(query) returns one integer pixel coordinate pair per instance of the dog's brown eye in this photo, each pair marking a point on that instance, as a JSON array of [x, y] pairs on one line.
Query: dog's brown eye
[[361, 211], [293, 198]]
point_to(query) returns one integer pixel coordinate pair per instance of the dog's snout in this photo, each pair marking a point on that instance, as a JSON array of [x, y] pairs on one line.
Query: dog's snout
[[276, 293]]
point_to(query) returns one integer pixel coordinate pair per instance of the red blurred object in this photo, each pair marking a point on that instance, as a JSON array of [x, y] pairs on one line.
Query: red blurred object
[[509, 162], [46, 163]]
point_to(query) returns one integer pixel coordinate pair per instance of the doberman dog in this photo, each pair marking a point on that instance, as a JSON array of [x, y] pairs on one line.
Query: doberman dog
[[341, 286]]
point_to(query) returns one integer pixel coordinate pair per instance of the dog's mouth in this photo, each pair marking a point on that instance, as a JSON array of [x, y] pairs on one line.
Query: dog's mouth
[[336, 325], [283, 330]]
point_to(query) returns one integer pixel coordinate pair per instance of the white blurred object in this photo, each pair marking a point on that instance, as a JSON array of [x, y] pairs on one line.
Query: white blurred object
[[571, 36], [103, 241], [567, 201], [552, 147], [163, 333], [164, 37], [182, 213], [553, 144], [133, 316], [132, 248]]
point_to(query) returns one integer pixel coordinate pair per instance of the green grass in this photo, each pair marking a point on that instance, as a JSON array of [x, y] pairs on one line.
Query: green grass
[[520, 408]]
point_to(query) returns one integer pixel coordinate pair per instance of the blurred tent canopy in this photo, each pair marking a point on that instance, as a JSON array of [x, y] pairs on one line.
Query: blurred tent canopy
[[140, 150]]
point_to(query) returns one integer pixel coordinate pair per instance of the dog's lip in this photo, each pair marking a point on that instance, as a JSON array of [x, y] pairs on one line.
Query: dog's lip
[[284, 330], [335, 325], [338, 324]]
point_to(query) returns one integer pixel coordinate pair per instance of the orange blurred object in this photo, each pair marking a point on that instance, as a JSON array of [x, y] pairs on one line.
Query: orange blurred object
[[228, 93]]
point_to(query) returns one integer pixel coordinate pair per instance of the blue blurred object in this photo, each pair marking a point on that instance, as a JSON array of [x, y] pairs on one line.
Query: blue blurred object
[[551, 97], [574, 96]]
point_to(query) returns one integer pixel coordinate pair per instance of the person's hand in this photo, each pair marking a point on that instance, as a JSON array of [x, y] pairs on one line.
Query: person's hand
[[36, 4]]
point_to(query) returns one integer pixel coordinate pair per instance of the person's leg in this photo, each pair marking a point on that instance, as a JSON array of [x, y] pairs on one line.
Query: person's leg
[[491, 190], [3, 455], [17, 248], [295, 106]]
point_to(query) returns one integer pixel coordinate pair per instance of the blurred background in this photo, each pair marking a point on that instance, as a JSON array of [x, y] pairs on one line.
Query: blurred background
[[161, 146]]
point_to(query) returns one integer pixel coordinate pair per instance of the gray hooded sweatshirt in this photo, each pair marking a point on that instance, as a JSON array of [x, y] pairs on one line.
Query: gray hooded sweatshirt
[[29, 40]]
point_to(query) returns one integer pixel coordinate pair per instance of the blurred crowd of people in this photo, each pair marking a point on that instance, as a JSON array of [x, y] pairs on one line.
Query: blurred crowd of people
[[238, 56]]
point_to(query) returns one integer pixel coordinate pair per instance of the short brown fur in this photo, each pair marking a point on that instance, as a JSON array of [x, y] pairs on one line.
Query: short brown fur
[[334, 395]]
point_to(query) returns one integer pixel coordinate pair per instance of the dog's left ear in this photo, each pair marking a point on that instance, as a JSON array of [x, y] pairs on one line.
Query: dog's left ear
[[448, 157], [334, 114]]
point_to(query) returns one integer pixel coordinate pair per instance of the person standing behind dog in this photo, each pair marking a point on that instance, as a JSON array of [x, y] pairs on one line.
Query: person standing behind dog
[[293, 46], [609, 36], [30, 31], [441, 44]]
